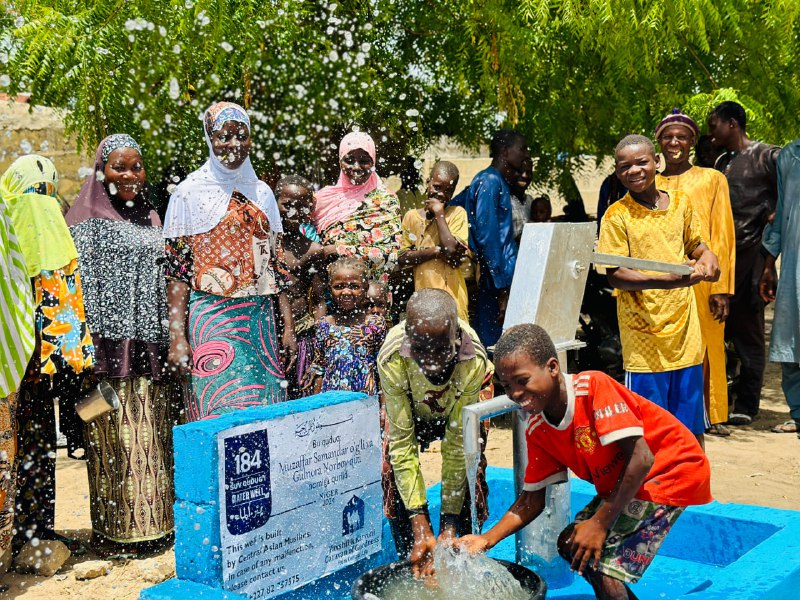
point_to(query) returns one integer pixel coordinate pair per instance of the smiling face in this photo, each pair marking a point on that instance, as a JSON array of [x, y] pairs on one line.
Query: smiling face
[[636, 167], [441, 186], [536, 388], [124, 174], [434, 347], [676, 141], [357, 166], [295, 204], [231, 144], [348, 288]]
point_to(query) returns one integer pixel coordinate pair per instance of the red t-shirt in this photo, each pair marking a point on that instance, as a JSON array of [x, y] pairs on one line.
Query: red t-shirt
[[600, 412]]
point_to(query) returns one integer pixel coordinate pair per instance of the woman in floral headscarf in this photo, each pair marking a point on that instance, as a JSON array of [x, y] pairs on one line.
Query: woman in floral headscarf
[[118, 236], [225, 270], [63, 350], [358, 215]]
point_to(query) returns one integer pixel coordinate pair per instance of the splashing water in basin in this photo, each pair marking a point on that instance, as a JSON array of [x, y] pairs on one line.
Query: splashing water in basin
[[457, 574]]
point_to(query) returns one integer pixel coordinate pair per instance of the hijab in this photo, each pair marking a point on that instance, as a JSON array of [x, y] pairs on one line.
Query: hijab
[[336, 203], [29, 189], [202, 199], [94, 202], [17, 308]]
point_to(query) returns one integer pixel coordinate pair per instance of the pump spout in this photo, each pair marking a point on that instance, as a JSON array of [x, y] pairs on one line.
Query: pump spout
[[536, 543]]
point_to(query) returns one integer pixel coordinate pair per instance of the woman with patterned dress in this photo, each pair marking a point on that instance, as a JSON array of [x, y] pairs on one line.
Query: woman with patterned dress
[[17, 341], [63, 351], [120, 247], [359, 216], [225, 272]]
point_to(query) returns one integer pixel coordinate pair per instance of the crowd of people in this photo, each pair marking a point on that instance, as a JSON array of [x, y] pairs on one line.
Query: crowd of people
[[244, 297]]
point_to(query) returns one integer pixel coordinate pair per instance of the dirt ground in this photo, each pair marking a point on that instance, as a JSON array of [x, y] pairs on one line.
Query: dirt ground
[[753, 466]]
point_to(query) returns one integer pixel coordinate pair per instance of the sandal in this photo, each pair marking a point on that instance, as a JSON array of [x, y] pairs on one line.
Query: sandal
[[718, 430], [740, 419], [786, 427], [76, 547]]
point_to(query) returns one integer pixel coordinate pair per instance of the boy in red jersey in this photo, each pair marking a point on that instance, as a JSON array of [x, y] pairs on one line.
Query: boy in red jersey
[[647, 466]]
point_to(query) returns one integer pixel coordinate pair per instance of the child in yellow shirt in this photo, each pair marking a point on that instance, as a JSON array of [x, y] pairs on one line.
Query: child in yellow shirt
[[435, 238], [658, 321]]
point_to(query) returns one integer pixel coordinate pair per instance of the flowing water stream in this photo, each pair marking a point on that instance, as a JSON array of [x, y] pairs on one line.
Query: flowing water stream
[[458, 576]]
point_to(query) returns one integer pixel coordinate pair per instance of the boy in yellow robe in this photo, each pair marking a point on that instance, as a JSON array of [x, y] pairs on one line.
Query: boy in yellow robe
[[707, 190]]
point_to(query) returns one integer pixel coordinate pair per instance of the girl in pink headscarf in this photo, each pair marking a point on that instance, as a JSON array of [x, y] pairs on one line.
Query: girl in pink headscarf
[[358, 216]]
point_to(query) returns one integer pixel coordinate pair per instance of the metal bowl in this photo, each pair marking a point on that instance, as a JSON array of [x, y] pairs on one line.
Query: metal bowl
[[373, 581]]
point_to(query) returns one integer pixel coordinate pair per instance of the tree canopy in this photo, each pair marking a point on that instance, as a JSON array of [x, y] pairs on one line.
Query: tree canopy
[[572, 75]]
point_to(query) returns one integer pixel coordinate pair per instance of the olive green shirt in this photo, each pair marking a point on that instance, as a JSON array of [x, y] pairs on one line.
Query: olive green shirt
[[409, 396]]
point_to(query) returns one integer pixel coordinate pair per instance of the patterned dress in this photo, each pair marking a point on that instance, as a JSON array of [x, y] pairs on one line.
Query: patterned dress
[[66, 343], [345, 357], [129, 454], [372, 232], [234, 272]]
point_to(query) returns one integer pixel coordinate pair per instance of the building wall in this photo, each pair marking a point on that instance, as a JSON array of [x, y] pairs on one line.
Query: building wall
[[40, 130]]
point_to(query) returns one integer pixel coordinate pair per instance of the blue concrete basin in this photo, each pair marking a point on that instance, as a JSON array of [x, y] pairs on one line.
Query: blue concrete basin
[[714, 552]]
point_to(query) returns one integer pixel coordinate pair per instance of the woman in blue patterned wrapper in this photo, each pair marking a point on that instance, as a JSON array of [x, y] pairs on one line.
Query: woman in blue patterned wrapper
[[120, 247], [226, 275]]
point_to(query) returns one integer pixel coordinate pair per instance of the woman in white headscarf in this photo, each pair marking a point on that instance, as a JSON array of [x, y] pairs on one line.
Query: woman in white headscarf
[[225, 271]]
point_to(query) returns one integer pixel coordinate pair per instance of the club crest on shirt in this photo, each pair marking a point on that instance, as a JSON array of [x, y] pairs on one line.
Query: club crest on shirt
[[586, 439]]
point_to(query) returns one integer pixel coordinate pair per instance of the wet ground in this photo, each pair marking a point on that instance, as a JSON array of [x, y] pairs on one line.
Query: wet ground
[[753, 466]]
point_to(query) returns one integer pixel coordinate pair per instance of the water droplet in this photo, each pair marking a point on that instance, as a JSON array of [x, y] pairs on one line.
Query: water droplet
[[174, 89]]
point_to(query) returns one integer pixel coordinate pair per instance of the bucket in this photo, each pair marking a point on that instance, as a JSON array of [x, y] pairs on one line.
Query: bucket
[[371, 583], [101, 400]]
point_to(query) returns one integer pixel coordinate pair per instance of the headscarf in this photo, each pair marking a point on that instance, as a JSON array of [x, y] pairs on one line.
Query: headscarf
[[337, 202], [93, 201], [676, 117], [17, 308], [201, 200], [42, 232]]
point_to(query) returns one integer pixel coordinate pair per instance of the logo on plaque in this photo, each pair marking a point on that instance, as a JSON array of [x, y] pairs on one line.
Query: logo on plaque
[[248, 492], [353, 516]]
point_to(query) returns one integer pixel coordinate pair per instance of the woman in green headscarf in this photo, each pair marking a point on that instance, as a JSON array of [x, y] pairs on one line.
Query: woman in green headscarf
[[16, 347], [63, 346]]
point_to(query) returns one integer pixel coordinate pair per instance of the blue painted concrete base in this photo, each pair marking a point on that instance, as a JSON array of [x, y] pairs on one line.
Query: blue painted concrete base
[[714, 552]]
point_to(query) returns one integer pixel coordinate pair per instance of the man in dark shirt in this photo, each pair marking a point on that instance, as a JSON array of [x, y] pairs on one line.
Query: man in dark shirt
[[750, 168]]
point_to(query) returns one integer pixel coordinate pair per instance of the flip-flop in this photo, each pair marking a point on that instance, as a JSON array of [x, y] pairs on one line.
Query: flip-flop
[[786, 427], [740, 419], [718, 430]]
